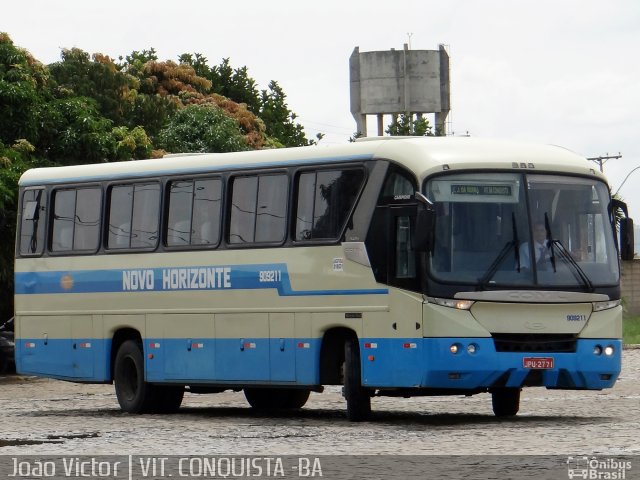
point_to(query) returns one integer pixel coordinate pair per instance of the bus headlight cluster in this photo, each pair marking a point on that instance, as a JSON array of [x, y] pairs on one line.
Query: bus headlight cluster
[[451, 303], [456, 348], [608, 350], [600, 306]]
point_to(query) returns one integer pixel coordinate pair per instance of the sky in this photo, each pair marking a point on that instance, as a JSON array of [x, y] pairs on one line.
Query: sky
[[563, 72]]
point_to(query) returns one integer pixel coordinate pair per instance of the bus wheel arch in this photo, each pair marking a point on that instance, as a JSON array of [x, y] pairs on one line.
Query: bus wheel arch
[[332, 354]]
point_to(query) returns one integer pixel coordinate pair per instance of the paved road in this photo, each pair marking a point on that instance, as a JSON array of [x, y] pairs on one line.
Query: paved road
[[51, 417]]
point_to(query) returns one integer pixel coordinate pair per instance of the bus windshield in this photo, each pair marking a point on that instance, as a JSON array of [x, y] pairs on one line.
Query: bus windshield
[[522, 230]]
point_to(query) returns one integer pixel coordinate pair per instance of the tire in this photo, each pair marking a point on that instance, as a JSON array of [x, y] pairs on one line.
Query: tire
[[167, 398], [134, 394], [276, 398], [505, 402], [358, 398]]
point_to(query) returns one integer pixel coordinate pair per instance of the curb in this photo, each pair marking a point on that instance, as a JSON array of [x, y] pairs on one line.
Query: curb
[[631, 346]]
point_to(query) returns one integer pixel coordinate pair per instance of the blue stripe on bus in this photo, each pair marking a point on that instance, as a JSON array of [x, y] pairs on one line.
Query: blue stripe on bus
[[196, 170], [164, 279], [386, 363]]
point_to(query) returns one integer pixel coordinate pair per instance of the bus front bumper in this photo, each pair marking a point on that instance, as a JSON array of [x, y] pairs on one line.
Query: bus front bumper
[[474, 363]]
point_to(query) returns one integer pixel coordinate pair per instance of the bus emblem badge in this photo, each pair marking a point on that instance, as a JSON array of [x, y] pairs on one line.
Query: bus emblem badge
[[66, 282]]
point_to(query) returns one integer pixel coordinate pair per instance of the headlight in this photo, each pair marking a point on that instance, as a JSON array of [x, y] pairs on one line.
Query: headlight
[[600, 306], [608, 350], [451, 303]]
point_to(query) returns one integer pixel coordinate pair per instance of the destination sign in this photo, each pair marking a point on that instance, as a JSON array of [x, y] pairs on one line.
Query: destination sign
[[502, 190]]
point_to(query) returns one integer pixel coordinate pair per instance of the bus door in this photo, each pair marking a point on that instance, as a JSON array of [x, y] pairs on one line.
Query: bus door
[[406, 307]]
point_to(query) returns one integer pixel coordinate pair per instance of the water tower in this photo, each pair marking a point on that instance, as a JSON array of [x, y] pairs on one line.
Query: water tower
[[399, 81]]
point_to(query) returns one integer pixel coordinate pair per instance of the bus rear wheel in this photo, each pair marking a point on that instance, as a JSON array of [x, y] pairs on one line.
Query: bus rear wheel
[[358, 398], [276, 398], [505, 402], [134, 394]]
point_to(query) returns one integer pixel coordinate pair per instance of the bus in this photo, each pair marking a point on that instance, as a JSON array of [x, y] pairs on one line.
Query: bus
[[390, 266]]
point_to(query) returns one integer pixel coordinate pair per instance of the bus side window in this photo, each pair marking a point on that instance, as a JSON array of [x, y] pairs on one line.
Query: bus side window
[[194, 212], [120, 206], [32, 222], [75, 223], [259, 209], [325, 199]]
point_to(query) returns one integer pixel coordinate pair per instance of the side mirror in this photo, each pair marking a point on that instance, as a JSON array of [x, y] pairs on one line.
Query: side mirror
[[626, 239], [425, 224]]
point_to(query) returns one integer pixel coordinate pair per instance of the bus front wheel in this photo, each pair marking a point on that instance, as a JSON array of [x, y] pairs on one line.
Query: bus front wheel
[[505, 402], [358, 398]]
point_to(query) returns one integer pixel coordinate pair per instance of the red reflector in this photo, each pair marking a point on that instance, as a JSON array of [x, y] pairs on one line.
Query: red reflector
[[371, 358]]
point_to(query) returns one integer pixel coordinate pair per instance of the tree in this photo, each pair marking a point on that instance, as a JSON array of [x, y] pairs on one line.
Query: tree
[[202, 128], [279, 120], [97, 77], [406, 125], [24, 84]]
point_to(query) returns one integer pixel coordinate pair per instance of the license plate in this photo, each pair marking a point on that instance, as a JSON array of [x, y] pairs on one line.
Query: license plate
[[537, 362]]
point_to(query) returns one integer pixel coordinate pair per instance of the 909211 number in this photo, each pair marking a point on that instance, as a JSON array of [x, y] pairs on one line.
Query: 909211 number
[[270, 275]]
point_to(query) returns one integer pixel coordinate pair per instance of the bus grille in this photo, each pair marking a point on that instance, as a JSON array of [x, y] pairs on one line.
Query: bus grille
[[534, 343]]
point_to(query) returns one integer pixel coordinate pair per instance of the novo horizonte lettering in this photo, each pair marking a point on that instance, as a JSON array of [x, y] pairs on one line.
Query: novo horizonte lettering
[[200, 278]]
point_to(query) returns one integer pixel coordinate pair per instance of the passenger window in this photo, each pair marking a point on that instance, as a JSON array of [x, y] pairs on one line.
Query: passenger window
[[76, 220], [64, 206], [325, 199], [194, 212], [32, 223], [272, 208], [133, 216], [86, 234], [243, 210], [146, 211], [258, 209], [121, 201]]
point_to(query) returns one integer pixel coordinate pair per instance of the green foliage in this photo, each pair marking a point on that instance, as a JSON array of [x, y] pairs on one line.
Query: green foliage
[[202, 128], [406, 125], [23, 90], [77, 75], [82, 135], [279, 120], [631, 330], [131, 144]]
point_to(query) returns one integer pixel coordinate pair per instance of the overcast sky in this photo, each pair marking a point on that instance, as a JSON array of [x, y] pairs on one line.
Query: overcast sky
[[549, 71]]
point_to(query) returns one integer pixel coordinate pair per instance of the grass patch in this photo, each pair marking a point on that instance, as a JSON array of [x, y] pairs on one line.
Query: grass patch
[[631, 330]]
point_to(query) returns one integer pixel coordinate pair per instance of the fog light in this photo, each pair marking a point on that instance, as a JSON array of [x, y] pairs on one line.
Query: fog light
[[454, 348], [608, 350], [471, 348], [597, 350]]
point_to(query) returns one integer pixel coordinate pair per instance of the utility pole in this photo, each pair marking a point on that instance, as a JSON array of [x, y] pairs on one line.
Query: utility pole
[[602, 159]]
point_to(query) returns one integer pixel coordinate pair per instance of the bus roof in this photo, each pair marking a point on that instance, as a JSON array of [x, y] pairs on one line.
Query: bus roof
[[424, 156]]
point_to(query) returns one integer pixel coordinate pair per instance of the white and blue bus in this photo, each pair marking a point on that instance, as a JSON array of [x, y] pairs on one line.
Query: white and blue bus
[[393, 267]]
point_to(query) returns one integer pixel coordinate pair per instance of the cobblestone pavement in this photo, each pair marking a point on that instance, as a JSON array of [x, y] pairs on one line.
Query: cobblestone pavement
[[43, 416]]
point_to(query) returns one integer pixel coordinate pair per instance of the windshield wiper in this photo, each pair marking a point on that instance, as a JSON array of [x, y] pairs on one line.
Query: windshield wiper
[[577, 271], [493, 268], [550, 241]]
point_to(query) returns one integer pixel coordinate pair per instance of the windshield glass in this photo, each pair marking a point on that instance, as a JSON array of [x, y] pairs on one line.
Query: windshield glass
[[502, 230]]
